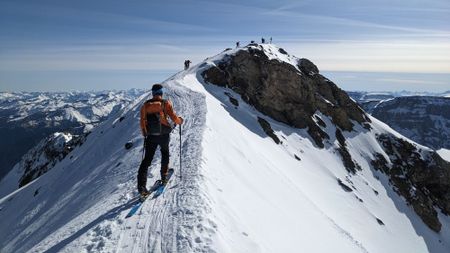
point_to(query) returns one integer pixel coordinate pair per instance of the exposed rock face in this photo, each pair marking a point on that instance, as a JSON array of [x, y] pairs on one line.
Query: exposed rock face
[[296, 94], [421, 177], [46, 154], [268, 130], [286, 93]]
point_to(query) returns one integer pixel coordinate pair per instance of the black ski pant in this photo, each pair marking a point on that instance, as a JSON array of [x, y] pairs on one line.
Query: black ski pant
[[151, 144]]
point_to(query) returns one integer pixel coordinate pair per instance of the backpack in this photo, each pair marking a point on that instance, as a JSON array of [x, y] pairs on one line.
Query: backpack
[[154, 125]]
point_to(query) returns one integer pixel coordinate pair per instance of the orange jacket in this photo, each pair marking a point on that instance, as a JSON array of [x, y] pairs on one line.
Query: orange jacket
[[155, 105]]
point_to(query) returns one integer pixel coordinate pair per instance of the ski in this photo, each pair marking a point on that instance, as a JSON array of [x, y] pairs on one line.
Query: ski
[[141, 199], [161, 187]]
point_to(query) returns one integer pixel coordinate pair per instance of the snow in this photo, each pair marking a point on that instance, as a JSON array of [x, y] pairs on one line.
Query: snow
[[11, 181], [444, 153], [239, 192]]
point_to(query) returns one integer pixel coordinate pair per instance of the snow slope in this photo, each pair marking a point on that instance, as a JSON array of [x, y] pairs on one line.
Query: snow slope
[[80, 205], [240, 192], [444, 153]]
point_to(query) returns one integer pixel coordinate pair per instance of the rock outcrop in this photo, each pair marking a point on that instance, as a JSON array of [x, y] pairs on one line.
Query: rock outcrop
[[46, 154], [293, 91], [421, 177], [287, 93]]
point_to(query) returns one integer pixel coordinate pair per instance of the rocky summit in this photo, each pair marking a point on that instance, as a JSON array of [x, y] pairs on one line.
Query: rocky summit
[[292, 90], [289, 93]]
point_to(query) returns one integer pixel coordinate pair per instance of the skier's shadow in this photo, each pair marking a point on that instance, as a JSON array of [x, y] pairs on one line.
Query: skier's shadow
[[107, 216]]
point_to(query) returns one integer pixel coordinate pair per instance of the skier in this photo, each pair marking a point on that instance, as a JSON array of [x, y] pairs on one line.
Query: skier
[[156, 131], [186, 64]]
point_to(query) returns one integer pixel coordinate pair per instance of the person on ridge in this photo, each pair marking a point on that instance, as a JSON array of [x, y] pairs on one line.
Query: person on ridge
[[156, 131], [186, 64]]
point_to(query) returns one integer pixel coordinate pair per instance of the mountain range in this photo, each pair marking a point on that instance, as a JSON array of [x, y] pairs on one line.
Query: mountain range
[[26, 118], [422, 117], [272, 157]]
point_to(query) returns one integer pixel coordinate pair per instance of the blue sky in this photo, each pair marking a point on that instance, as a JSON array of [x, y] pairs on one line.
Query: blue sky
[[108, 44]]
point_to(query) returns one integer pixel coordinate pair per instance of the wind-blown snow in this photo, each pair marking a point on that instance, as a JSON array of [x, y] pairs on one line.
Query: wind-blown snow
[[444, 153], [240, 192]]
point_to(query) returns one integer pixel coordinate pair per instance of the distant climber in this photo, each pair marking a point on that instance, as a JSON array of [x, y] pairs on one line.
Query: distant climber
[[237, 44], [186, 64], [156, 130], [270, 40], [263, 40]]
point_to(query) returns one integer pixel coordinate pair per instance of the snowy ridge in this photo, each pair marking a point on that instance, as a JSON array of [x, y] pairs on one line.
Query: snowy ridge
[[243, 200], [240, 192], [83, 201]]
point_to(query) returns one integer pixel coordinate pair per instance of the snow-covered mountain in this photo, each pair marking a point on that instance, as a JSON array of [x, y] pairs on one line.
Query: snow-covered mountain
[[262, 171], [420, 117], [28, 117], [425, 120], [40, 159]]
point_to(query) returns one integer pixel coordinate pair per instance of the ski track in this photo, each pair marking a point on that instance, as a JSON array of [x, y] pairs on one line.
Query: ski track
[[176, 221], [169, 222]]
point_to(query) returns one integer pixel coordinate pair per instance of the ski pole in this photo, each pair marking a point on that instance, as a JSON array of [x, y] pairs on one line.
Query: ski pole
[[143, 150], [181, 174]]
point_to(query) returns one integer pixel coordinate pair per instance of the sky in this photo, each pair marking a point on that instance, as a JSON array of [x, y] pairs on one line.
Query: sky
[[108, 44]]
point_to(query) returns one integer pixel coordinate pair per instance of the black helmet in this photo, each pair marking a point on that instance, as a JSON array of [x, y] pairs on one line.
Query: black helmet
[[157, 89]]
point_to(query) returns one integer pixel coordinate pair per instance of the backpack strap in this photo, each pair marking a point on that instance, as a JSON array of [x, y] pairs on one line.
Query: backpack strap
[[164, 102]]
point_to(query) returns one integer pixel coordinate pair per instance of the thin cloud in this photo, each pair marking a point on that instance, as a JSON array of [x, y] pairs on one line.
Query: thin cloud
[[351, 22], [410, 81], [101, 17]]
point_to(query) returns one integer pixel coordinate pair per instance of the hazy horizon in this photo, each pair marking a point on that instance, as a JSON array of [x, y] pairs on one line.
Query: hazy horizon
[[346, 80], [84, 45]]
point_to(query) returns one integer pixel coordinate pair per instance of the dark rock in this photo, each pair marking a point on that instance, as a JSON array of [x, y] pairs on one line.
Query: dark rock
[[281, 91], [49, 154], [128, 145], [349, 164], [216, 76], [282, 51], [423, 179], [121, 118], [359, 199], [380, 221], [318, 135], [344, 186], [36, 192], [268, 130], [234, 101], [340, 137], [380, 163], [307, 67], [298, 158], [320, 121]]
